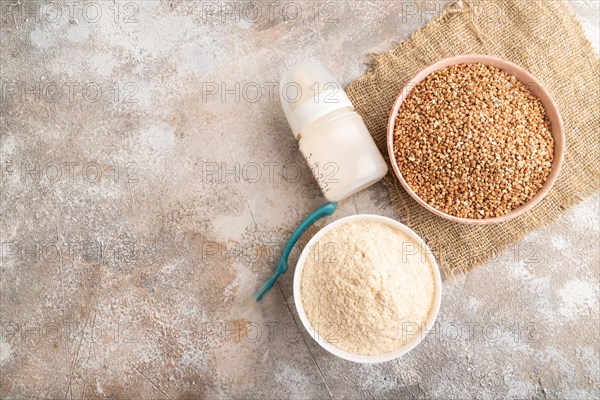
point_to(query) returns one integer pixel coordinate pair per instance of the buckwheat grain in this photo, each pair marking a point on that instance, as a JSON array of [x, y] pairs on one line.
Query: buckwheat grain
[[473, 141]]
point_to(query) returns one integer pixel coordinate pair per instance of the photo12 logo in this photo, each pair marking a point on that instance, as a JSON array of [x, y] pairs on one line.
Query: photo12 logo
[[253, 92], [46, 13], [245, 331], [267, 12], [54, 331], [53, 92], [68, 251], [220, 172], [55, 172]]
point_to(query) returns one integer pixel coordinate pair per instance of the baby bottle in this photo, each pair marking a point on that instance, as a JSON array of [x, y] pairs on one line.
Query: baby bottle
[[332, 137]]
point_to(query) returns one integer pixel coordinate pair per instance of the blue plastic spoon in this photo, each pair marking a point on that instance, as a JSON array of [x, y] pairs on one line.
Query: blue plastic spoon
[[282, 266]]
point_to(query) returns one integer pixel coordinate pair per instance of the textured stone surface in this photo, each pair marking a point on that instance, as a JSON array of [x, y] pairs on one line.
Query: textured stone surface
[[130, 244]]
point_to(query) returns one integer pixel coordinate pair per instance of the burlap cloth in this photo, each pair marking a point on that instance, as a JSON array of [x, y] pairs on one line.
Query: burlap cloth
[[543, 37]]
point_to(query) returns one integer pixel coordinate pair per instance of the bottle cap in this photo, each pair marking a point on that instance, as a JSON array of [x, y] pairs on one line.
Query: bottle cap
[[308, 92]]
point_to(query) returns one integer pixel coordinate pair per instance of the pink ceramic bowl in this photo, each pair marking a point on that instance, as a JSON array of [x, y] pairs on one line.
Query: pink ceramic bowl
[[537, 89]]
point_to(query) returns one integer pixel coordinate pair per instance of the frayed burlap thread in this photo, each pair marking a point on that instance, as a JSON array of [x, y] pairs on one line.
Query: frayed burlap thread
[[543, 37]]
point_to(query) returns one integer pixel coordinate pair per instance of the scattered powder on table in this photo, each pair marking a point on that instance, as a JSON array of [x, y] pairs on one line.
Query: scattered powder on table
[[367, 287]]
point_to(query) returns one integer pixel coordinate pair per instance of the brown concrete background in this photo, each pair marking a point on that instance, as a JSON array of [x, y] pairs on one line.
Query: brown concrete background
[[129, 247]]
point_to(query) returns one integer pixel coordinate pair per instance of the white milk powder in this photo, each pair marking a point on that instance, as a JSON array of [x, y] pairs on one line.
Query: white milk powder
[[367, 287]]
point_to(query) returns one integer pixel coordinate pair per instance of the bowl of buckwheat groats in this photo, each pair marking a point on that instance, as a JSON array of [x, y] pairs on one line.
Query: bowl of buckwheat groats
[[476, 139]]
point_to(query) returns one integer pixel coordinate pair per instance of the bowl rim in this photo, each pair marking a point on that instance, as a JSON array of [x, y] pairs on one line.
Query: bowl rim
[[556, 124], [332, 348]]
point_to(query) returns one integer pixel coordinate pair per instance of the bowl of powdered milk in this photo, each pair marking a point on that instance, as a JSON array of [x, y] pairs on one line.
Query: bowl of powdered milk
[[367, 288]]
